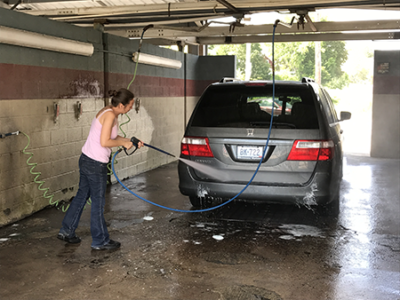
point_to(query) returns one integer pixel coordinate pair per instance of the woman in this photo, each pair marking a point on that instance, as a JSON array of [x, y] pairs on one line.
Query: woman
[[103, 135]]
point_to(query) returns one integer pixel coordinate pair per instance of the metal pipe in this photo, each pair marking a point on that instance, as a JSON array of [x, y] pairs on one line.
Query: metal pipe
[[288, 25], [309, 21], [16, 4]]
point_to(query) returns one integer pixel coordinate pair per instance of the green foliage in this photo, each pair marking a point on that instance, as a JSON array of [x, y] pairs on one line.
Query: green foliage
[[369, 53], [260, 69], [362, 76], [293, 61], [335, 99], [299, 59]]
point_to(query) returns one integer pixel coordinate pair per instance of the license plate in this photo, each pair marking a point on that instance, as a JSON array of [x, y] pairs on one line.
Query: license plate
[[250, 152]]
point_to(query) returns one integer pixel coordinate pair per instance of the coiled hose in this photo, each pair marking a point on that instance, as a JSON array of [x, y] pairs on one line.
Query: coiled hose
[[37, 175]]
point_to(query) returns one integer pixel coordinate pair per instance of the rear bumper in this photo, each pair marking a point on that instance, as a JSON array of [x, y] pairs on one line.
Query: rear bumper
[[319, 190]]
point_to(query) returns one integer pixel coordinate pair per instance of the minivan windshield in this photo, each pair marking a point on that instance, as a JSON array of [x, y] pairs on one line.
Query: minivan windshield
[[251, 106]]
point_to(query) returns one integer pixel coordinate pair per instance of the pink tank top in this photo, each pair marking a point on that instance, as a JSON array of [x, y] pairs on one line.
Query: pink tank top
[[92, 147]]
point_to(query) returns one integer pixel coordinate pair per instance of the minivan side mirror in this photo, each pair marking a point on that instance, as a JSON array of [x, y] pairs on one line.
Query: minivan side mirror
[[345, 115]]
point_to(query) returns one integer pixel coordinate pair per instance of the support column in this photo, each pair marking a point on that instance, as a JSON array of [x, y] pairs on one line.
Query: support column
[[193, 49], [203, 50], [385, 139]]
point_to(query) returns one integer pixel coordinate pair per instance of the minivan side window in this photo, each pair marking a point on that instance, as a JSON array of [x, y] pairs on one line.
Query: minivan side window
[[330, 108]]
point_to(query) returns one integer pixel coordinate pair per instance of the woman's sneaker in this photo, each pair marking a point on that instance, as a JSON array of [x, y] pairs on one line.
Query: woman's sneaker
[[70, 240], [111, 245]]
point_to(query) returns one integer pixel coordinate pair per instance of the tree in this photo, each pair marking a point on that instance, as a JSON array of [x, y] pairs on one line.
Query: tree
[[260, 66], [293, 61], [296, 60]]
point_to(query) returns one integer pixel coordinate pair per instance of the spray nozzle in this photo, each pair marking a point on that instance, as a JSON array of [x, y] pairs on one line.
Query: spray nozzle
[[135, 143]]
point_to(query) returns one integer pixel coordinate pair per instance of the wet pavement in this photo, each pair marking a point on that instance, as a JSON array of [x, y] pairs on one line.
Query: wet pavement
[[238, 252]]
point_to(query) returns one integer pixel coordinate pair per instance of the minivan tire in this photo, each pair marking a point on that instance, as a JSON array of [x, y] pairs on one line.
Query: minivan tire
[[332, 208]]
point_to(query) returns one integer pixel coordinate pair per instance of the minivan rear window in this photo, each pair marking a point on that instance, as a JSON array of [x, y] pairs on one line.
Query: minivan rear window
[[251, 106]]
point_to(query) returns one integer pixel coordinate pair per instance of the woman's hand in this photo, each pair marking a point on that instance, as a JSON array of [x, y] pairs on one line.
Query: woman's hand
[[128, 144]]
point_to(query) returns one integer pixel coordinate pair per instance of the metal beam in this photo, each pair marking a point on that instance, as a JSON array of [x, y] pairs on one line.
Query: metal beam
[[11, 2], [134, 9], [138, 25], [228, 5], [138, 17], [222, 31], [300, 38], [162, 41], [211, 6]]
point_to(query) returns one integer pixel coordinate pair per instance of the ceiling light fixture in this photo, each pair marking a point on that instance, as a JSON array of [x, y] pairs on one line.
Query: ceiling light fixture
[[31, 39], [156, 60]]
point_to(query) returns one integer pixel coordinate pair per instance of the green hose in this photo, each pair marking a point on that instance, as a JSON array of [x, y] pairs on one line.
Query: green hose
[[40, 182], [134, 74], [110, 172]]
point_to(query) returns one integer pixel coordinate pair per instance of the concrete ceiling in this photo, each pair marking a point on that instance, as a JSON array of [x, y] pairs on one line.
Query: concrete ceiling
[[195, 22]]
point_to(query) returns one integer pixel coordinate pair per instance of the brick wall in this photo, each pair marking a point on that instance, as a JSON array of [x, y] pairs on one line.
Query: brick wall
[[55, 147]]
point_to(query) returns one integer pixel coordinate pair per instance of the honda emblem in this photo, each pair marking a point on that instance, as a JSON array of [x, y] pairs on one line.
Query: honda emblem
[[250, 132]]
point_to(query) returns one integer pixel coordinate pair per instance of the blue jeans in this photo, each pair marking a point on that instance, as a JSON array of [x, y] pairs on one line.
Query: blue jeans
[[93, 184]]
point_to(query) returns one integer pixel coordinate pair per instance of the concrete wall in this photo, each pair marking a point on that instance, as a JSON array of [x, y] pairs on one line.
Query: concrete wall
[[385, 140], [32, 80]]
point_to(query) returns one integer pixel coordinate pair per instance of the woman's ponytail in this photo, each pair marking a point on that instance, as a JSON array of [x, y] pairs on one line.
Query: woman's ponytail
[[122, 96]]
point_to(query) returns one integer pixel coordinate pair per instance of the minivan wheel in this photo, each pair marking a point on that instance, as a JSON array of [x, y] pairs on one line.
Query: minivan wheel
[[331, 209]]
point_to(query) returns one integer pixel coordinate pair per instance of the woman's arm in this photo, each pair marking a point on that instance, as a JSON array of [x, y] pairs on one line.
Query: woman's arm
[[105, 136]]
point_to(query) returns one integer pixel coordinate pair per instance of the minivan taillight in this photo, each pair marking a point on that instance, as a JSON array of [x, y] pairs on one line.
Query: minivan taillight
[[196, 146], [311, 150]]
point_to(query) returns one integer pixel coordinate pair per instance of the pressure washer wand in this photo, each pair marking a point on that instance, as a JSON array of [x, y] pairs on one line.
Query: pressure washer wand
[[158, 149], [135, 143], [4, 135]]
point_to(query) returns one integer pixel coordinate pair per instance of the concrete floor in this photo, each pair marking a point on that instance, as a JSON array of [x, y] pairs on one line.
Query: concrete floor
[[238, 252]]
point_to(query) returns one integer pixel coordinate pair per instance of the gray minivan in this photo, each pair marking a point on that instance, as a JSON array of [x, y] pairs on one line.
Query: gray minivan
[[228, 131]]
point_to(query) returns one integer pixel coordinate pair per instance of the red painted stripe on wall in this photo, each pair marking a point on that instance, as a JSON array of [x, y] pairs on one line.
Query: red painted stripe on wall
[[151, 86], [147, 86], [33, 82]]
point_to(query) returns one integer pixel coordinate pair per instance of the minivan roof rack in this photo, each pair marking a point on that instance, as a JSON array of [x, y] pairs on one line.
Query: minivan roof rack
[[229, 79], [306, 79]]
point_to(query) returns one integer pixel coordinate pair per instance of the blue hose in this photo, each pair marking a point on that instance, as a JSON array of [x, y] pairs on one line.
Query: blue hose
[[252, 178]]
